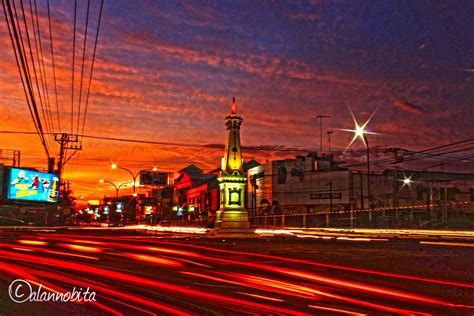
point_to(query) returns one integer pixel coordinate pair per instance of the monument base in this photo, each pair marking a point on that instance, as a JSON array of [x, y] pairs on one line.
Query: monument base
[[233, 224], [233, 233], [230, 219]]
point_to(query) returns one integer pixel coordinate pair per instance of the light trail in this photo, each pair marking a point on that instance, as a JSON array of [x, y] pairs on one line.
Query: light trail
[[261, 296], [82, 248], [441, 243], [335, 310], [122, 277], [149, 276], [33, 242], [325, 265]]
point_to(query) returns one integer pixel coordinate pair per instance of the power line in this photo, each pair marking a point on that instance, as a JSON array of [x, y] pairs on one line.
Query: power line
[[82, 67], [16, 53], [32, 60], [54, 67], [73, 69], [41, 65], [462, 159], [22, 69], [411, 153], [92, 67]]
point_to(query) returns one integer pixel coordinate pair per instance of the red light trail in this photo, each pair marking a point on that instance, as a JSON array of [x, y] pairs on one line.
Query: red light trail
[[196, 279]]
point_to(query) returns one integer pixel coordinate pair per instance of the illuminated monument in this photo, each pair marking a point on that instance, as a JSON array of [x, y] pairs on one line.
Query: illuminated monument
[[232, 216]]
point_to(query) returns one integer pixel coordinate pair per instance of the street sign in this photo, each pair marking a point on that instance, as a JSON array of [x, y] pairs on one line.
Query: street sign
[[321, 196]]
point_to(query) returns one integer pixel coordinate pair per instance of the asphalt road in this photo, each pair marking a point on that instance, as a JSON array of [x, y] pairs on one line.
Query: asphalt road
[[138, 275]]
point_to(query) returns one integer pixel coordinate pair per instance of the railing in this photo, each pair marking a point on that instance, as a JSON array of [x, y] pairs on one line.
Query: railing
[[409, 216]]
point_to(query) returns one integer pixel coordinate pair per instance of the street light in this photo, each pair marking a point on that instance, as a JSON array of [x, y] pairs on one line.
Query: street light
[[115, 166], [117, 188], [361, 132]]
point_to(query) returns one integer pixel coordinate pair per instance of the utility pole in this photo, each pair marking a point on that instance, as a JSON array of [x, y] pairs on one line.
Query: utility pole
[[445, 213], [361, 191], [330, 195], [320, 117], [329, 140], [369, 197], [397, 159], [66, 142]]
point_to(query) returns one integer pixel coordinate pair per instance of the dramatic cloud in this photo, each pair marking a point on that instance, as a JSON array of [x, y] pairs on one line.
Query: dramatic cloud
[[166, 72], [408, 107]]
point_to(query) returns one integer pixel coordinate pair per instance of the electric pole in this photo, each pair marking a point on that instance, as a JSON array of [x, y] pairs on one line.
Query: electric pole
[[329, 140], [320, 117], [66, 142], [330, 195], [397, 159]]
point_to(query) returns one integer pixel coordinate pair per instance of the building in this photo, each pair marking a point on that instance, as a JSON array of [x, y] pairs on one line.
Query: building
[[314, 189], [195, 195], [303, 184]]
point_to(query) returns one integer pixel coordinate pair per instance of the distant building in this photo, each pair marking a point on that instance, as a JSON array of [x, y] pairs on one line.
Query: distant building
[[193, 193]]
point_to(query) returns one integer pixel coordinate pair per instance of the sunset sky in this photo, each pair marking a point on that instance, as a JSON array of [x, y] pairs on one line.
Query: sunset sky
[[166, 71]]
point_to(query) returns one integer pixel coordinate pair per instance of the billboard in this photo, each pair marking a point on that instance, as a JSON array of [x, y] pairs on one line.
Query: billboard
[[30, 185], [153, 178]]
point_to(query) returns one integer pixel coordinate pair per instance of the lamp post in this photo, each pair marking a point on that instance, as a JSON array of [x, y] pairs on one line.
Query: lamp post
[[369, 198], [117, 188], [115, 166], [407, 181], [361, 132]]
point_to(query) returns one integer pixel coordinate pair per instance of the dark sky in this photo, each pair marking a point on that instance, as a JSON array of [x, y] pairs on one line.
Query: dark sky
[[167, 71]]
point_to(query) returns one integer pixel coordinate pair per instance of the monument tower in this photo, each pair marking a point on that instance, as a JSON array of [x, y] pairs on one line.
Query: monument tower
[[232, 179]]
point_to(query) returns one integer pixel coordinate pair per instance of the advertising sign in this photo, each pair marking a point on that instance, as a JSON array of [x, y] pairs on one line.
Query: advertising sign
[[153, 178], [29, 185]]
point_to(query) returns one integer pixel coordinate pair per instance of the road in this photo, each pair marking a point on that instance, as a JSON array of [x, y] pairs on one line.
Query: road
[[135, 274]]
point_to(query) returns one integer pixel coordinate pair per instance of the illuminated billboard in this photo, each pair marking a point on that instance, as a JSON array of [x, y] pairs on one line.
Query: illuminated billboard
[[30, 185]]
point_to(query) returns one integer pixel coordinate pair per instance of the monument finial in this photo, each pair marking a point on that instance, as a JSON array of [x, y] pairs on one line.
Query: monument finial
[[234, 107]]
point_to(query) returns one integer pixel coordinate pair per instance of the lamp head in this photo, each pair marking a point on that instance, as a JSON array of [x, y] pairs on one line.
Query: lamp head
[[359, 131]]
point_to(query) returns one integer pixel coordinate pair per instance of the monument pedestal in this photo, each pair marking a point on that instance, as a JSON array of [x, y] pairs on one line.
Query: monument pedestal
[[230, 219], [233, 224]]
